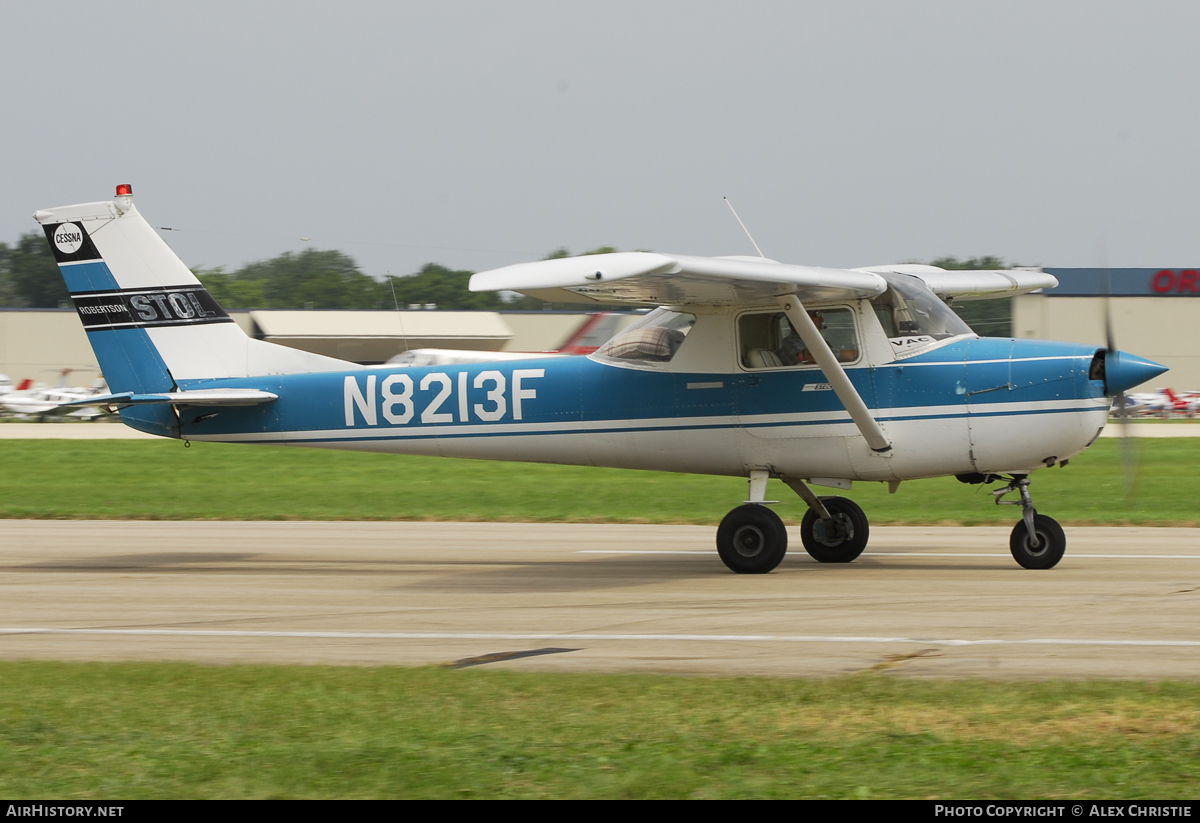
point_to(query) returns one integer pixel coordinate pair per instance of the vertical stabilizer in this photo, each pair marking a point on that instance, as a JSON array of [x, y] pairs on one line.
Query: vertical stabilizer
[[151, 323]]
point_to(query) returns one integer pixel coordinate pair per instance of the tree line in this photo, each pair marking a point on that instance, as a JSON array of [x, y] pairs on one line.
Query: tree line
[[327, 279]]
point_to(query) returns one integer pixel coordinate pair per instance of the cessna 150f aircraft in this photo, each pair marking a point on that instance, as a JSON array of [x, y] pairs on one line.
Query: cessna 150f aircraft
[[748, 367]]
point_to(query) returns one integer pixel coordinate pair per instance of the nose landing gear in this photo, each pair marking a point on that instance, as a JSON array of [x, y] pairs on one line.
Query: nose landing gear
[[1037, 541]]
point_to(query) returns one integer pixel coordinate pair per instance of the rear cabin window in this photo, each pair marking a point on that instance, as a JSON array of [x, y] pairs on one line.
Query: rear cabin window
[[768, 341], [654, 339]]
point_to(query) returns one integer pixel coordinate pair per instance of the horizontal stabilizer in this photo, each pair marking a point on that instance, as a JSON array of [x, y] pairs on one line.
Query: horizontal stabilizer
[[196, 397]]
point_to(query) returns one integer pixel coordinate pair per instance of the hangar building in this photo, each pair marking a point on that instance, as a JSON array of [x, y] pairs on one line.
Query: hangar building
[[1155, 314], [41, 343]]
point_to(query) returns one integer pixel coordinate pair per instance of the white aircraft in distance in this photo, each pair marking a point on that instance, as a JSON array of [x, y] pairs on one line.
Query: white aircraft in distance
[[1160, 403], [44, 403], [748, 367], [594, 333]]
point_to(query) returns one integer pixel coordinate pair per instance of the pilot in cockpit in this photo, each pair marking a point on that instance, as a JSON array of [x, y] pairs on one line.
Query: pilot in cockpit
[[792, 351]]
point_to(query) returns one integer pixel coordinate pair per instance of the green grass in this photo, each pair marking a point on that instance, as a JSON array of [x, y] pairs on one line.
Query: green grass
[[163, 480], [143, 730]]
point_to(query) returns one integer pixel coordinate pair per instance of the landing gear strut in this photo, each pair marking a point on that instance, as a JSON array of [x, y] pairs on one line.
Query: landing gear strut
[[752, 540], [1037, 541], [839, 539], [834, 529]]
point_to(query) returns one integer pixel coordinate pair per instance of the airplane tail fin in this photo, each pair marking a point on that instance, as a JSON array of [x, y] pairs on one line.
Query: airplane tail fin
[[151, 323]]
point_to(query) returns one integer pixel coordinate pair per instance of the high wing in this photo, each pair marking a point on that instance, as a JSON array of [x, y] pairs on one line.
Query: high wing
[[649, 278], [642, 278]]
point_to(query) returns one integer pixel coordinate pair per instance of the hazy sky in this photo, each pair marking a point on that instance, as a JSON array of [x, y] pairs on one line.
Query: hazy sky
[[482, 134]]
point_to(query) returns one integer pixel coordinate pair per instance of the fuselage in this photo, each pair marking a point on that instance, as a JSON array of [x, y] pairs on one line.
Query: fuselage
[[958, 405]]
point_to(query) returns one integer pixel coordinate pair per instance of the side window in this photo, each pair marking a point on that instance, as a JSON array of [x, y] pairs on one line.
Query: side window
[[767, 340], [654, 339]]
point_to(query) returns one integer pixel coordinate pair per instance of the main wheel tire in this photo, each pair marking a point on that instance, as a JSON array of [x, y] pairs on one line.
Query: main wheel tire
[[751, 539], [1052, 542], [839, 541]]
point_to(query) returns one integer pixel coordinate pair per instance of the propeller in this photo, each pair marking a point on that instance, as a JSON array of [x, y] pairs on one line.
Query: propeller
[[1130, 456]]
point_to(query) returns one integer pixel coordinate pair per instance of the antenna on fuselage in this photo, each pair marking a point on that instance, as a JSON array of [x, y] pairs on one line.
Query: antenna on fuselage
[[399, 315], [743, 225]]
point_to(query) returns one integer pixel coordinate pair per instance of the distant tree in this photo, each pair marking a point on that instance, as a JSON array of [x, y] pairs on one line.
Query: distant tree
[[312, 278], [445, 288], [7, 295], [332, 280], [231, 292], [987, 318], [29, 277], [970, 264]]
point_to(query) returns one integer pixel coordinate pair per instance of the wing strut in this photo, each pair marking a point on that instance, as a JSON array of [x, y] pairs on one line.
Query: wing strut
[[834, 373]]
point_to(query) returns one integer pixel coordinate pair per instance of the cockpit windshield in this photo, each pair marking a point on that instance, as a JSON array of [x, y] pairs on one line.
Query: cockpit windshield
[[908, 310], [655, 338]]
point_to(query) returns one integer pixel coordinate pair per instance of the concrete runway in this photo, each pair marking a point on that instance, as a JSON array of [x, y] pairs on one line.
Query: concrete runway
[[924, 602]]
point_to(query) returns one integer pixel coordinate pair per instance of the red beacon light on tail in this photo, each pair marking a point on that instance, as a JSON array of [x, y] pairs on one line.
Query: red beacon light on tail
[[124, 200]]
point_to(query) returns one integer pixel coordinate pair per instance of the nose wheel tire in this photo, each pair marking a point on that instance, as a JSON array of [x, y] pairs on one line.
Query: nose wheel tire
[[1052, 542], [840, 539], [751, 540]]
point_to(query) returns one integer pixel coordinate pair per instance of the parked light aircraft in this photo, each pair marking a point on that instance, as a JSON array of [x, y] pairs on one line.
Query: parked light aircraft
[[748, 367], [43, 402], [1163, 403], [594, 332]]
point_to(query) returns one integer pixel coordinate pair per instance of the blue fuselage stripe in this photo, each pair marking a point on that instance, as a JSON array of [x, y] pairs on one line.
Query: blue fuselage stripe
[[442, 433], [971, 378]]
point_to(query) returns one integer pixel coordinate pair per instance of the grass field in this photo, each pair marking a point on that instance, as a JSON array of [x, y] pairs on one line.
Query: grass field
[[163, 480], [176, 730]]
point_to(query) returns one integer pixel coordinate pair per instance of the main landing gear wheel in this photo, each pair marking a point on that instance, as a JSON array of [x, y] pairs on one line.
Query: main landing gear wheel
[[840, 539], [751, 539], [1050, 539]]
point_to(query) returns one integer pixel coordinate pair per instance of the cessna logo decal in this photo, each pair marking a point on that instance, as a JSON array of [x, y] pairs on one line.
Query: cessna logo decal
[[70, 243], [141, 308], [68, 238]]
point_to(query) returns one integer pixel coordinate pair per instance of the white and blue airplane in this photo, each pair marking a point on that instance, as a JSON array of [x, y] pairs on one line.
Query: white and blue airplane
[[747, 367]]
